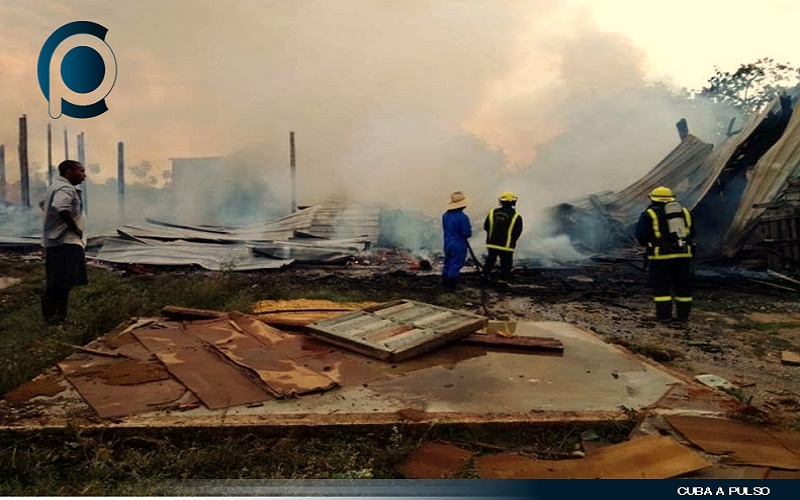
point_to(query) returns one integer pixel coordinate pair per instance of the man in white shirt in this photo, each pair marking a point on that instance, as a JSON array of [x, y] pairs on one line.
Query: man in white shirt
[[63, 240]]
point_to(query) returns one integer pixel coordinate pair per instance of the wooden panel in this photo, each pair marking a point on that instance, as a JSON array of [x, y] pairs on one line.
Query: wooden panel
[[397, 330]]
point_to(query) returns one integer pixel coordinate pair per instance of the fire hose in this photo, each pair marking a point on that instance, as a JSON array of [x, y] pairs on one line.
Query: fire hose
[[474, 259]]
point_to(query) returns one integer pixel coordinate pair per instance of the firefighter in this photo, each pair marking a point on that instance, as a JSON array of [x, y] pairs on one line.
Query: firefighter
[[665, 228], [503, 225], [457, 230]]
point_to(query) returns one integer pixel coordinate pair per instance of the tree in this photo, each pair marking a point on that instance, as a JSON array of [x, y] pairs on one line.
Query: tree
[[141, 169], [752, 85]]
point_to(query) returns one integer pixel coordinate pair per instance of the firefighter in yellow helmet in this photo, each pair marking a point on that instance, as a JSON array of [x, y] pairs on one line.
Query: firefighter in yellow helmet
[[503, 225], [665, 228]]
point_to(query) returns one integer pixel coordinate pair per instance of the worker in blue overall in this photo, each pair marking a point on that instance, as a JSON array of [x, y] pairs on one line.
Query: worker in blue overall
[[457, 230]]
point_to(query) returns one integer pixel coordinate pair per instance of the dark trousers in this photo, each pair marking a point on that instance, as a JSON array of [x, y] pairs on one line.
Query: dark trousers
[[54, 304], [506, 261], [65, 267], [671, 280]]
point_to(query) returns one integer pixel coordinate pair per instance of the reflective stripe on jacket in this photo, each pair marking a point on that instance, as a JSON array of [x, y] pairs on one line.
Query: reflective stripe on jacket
[[652, 231], [503, 226]]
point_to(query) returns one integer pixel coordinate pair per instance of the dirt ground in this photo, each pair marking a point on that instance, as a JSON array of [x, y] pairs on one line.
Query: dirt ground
[[740, 324], [738, 328]]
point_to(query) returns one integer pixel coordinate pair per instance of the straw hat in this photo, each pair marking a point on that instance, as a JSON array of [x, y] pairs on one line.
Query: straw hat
[[457, 200]]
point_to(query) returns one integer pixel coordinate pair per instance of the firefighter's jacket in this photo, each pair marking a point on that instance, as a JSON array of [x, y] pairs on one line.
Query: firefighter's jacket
[[652, 231], [503, 226]]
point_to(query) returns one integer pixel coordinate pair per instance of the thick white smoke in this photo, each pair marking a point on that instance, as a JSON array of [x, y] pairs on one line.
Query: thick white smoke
[[397, 103]]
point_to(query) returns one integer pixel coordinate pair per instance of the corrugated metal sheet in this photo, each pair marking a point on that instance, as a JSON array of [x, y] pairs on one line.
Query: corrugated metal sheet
[[333, 231], [339, 220], [313, 249], [682, 167], [765, 183], [397, 330], [278, 229], [691, 170], [212, 256]]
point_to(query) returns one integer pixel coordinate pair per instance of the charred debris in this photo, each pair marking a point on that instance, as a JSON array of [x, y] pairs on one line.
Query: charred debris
[[744, 193]]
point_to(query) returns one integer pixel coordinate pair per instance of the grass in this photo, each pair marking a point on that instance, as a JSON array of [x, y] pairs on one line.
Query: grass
[[28, 346], [73, 462], [115, 464]]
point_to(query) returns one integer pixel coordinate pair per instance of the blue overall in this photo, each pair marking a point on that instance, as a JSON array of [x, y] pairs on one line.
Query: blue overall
[[457, 229]]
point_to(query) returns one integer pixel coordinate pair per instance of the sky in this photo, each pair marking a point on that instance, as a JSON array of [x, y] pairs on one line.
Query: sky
[[397, 101]]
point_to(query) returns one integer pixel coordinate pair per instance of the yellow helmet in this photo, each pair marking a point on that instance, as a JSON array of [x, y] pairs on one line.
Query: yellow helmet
[[662, 194], [508, 196]]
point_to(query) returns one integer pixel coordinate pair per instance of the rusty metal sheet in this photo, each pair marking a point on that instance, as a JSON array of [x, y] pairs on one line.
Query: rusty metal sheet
[[115, 387], [748, 444], [435, 461], [346, 369], [214, 380], [397, 330], [648, 457], [213, 256], [274, 365], [47, 385], [764, 184]]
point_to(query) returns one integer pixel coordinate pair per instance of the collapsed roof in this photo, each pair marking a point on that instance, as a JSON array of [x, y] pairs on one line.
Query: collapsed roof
[[725, 186], [330, 232]]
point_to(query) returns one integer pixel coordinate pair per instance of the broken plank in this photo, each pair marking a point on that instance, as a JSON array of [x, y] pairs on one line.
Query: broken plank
[[98, 352], [406, 338], [433, 317], [348, 321], [386, 333], [790, 358], [188, 313], [545, 344], [773, 285], [440, 339]]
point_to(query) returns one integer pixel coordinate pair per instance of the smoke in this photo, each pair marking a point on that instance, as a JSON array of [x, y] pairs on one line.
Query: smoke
[[392, 103]]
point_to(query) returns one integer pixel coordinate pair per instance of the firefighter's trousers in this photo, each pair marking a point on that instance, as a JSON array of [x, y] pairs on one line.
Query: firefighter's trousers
[[671, 280]]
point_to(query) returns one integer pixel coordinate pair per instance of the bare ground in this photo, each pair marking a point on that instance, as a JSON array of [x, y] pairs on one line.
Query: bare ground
[[738, 328]]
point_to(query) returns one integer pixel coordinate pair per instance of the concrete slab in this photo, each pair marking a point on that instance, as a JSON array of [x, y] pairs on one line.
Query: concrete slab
[[592, 381]]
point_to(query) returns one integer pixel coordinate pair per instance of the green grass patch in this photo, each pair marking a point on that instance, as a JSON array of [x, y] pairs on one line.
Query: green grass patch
[[72, 463]]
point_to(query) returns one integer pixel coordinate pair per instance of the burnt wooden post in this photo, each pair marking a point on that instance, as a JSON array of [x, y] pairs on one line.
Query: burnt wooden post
[[2, 172], [683, 128], [49, 154], [82, 160], [24, 186], [293, 170], [121, 179]]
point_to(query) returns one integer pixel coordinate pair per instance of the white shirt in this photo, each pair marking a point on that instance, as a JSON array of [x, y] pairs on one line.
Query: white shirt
[[62, 195]]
